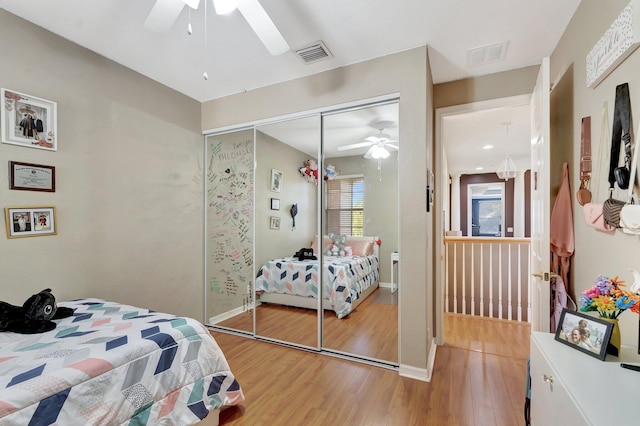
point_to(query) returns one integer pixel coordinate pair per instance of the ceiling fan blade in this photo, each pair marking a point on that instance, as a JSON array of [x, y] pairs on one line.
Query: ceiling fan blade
[[263, 26], [163, 14], [388, 145], [353, 146]]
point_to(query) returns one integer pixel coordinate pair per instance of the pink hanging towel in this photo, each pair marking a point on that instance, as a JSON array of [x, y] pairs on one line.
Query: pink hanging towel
[[561, 234]]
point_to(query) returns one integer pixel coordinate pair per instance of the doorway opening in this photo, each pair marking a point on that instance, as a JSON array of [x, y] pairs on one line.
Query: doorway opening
[[445, 170]]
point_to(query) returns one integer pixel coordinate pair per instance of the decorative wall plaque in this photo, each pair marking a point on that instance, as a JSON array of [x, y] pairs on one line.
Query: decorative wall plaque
[[617, 43]]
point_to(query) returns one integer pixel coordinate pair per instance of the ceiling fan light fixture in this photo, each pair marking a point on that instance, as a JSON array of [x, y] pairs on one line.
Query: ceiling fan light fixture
[[193, 4], [379, 152], [224, 7]]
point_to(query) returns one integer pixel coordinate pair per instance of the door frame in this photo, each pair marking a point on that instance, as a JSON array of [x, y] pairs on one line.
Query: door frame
[[443, 178]]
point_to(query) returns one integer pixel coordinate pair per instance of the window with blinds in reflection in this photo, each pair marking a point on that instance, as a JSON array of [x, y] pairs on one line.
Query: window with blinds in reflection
[[345, 205]]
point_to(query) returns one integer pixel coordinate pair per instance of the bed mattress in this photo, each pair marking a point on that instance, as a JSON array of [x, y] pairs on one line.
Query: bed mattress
[[345, 279], [113, 364]]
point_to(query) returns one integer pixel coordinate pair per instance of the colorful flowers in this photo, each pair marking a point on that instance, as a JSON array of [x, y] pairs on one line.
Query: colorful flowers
[[608, 298]]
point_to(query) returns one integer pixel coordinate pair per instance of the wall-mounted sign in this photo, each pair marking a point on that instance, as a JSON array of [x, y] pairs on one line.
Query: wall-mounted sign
[[617, 43]]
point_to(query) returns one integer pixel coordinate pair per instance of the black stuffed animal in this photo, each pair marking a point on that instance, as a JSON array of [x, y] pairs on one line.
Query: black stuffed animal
[[35, 316], [304, 254]]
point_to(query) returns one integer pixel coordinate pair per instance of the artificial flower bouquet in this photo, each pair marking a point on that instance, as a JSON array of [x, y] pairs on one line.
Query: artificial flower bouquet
[[608, 298]]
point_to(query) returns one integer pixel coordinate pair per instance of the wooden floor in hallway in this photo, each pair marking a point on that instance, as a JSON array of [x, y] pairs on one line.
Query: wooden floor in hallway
[[479, 378]]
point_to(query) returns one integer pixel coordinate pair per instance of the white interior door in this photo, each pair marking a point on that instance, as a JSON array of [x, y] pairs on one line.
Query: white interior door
[[540, 201]]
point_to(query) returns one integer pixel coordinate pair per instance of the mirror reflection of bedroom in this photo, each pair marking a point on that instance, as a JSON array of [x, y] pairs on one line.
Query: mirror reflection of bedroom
[[351, 195], [363, 201]]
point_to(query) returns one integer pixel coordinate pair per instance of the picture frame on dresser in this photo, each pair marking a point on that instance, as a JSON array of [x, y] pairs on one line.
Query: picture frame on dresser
[[584, 333]]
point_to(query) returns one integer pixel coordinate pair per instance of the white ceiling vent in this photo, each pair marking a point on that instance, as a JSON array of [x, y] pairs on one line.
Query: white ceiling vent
[[487, 54], [314, 52]]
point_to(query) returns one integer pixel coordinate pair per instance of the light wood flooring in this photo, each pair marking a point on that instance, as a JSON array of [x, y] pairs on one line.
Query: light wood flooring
[[478, 379], [371, 330]]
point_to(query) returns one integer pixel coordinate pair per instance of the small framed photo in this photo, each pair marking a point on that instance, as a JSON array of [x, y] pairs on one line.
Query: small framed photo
[[32, 177], [275, 204], [28, 121], [274, 222], [30, 221], [585, 333], [276, 180]]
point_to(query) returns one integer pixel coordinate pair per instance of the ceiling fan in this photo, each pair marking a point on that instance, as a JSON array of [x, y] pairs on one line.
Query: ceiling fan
[[379, 146], [165, 12]]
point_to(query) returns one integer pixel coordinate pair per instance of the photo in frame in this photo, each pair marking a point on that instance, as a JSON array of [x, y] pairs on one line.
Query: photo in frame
[[275, 204], [30, 221], [585, 333], [28, 121], [276, 180], [32, 177], [274, 222]]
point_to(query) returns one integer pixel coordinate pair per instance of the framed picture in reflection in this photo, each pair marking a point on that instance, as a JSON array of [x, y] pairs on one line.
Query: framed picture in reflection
[[274, 222]]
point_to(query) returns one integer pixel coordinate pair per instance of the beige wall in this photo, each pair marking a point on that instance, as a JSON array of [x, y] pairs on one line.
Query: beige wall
[[596, 253], [128, 180], [492, 86], [406, 73], [271, 243]]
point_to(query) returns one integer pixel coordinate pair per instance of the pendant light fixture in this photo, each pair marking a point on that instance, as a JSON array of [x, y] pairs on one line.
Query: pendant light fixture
[[507, 169]]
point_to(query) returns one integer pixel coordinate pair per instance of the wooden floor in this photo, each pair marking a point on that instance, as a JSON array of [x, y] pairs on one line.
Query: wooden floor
[[478, 379], [371, 330]]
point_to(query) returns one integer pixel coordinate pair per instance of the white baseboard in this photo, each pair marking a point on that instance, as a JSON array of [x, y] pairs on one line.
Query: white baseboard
[[386, 285], [414, 373], [422, 374], [431, 361], [229, 314]]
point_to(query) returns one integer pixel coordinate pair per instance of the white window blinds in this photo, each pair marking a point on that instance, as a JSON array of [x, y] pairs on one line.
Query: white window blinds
[[345, 206]]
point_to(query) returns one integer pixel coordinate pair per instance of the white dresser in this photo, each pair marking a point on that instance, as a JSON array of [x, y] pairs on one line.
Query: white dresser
[[569, 387]]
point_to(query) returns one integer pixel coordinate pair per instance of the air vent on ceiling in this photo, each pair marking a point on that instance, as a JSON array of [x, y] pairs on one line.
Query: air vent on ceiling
[[314, 52], [487, 54]]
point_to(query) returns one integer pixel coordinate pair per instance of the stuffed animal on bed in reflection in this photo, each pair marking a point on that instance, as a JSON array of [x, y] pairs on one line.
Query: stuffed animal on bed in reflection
[[34, 316], [338, 247], [305, 254]]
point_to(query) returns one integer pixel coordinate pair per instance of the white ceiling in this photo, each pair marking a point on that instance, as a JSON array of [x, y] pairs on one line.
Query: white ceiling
[[343, 128], [354, 31], [507, 129]]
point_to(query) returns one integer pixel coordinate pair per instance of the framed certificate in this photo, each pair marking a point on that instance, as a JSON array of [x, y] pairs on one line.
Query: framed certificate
[[32, 177]]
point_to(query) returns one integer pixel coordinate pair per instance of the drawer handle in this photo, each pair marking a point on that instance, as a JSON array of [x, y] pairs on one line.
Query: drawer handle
[[547, 379]]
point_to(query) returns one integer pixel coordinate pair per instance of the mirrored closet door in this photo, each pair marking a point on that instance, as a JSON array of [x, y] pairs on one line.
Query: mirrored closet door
[[326, 182], [287, 221], [360, 204], [229, 230]]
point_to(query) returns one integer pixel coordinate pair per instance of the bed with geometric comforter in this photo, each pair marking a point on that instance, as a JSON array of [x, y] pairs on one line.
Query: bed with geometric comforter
[[114, 364], [347, 280]]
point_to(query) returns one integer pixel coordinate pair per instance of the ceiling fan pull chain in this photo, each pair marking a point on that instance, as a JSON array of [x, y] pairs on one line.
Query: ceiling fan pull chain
[[204, 51]]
